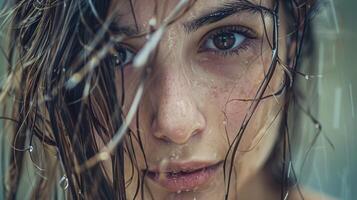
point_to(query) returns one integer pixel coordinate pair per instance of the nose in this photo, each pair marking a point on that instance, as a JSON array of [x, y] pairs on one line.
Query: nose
[[177, 116]]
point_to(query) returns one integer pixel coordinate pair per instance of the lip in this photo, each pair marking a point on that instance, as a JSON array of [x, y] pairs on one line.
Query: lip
[[188, 176]]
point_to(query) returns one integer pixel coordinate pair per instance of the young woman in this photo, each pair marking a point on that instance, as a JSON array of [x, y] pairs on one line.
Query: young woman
[[153, 99]]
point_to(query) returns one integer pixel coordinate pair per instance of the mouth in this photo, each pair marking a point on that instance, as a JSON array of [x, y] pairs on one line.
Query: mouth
[[185, 176]]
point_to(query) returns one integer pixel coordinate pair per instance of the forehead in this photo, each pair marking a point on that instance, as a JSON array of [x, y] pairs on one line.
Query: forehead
[[139, 12]]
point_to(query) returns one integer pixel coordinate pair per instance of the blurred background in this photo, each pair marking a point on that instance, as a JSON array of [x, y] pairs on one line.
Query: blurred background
[[331, 169], [334, 170]]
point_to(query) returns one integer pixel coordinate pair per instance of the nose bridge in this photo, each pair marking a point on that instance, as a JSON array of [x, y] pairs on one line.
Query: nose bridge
[[175, 98], [177, 116]]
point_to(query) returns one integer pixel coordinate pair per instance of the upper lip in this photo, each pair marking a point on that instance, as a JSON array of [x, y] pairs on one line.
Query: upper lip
[[183, 166]]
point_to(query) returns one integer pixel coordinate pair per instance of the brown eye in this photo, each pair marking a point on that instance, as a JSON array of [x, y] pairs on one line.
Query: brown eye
[[224, 41], [124, 56]]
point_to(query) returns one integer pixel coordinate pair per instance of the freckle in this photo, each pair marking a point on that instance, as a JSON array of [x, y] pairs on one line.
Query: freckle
[[214, 91], [171, 41]]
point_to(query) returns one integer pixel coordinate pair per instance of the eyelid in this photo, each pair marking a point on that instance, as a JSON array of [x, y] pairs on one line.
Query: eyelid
[[243, 30]]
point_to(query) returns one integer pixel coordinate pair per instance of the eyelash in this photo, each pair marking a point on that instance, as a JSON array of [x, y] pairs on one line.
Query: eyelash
[[128, 52], [241, 30]]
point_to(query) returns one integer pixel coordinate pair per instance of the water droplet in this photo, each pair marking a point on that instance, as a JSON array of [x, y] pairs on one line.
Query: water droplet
[[117, 60], [30, 149], [153, 22], [63, 182], [317, 126], [47, 97]]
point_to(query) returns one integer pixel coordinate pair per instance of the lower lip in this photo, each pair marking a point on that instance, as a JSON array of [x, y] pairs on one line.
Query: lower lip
[[184, 181]]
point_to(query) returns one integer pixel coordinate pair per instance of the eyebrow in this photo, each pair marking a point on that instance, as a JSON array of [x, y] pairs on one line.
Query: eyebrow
[[226, 10]]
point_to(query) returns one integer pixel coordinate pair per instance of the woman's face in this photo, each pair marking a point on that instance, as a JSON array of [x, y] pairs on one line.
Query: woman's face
[[190, 113]]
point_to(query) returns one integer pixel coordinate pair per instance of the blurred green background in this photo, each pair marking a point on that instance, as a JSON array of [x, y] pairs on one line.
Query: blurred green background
[[332, 171]]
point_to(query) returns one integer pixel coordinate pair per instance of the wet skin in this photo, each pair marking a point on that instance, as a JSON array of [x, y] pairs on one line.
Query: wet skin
[[190, 113]]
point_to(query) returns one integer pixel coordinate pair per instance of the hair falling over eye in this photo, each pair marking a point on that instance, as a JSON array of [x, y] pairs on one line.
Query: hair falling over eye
[[64, 112]]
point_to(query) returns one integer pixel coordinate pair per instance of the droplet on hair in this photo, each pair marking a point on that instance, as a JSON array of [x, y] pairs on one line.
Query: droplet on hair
[[104, 156], [73, 81], [63, 182], [317, 126], [47, 97], [30, 149]]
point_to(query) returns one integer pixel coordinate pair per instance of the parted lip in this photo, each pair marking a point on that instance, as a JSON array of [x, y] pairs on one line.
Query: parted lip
[[173, 167], [183, 176]]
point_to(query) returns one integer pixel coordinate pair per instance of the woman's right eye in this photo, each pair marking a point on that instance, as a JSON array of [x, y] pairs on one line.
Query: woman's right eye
[[124, 56]]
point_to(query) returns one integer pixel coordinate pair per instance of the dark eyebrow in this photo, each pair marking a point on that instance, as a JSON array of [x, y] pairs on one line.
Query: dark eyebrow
[[227, 9]]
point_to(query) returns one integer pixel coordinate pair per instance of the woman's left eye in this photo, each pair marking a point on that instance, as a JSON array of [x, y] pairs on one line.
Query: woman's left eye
[[124, 56], [224, 40]]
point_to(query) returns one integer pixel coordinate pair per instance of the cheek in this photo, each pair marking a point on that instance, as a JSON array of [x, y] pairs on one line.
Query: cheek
[[233, 100]]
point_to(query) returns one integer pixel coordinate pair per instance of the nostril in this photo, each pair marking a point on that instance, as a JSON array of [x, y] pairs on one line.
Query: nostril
[[177, 138]]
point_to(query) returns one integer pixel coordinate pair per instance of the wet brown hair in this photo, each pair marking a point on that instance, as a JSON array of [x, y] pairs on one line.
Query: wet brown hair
[[51, 122]]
